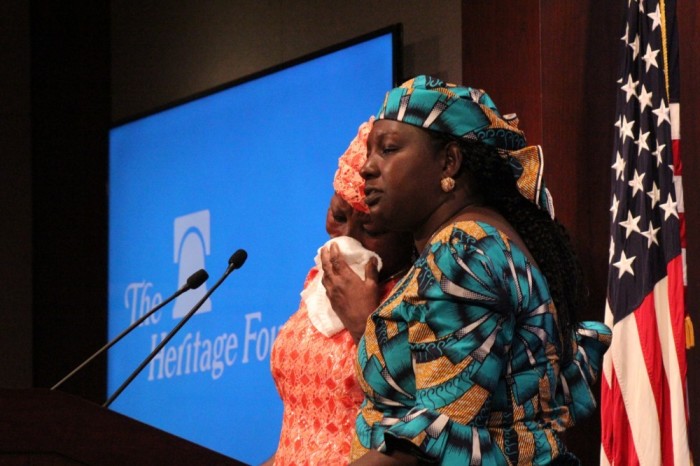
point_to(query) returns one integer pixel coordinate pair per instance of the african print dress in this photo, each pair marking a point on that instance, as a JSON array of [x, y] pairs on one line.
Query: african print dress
[[460, 364]]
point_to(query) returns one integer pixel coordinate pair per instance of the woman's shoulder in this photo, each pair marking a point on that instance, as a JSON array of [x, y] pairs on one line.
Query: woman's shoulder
[[464, 243], [470, 230], [485, 227]]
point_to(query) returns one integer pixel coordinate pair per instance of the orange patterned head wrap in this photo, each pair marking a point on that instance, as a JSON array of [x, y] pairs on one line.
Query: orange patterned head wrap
[[347, 181]]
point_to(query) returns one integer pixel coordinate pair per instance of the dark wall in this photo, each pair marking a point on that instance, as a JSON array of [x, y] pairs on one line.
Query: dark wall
[[554, 66], [70, 111], [689, 30], [556, 69], [164, 51], [16, 195]]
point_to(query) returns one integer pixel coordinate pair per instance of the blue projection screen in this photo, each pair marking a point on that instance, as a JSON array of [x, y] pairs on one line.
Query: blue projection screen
[[249, 166]]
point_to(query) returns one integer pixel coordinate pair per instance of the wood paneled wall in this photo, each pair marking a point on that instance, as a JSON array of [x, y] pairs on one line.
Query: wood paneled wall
[[689, 32]]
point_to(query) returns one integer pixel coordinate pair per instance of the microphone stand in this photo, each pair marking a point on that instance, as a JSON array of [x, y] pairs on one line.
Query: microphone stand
[[234, 262], [193, 282]]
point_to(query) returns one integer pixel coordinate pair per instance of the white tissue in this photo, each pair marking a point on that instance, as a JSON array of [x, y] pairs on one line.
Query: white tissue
[[321, 314]]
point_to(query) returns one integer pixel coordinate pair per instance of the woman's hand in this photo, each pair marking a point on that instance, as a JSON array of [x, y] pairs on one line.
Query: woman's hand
[[352, 298]]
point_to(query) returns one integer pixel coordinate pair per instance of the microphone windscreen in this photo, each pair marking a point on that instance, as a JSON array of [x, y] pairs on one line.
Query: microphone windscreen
[[196, 279], [237, 259]]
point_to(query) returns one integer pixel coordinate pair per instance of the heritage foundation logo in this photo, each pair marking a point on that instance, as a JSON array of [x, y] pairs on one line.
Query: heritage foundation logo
[[191, 244]]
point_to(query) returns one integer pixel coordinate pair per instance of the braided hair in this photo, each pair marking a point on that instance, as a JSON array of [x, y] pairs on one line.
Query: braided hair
[[545, 238]]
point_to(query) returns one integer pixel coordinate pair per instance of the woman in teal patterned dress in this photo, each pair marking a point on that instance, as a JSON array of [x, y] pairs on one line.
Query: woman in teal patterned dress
[[476, 357]]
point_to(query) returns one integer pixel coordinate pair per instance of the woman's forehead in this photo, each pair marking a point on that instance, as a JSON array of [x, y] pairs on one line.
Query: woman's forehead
[[338, 203], [383, 128]]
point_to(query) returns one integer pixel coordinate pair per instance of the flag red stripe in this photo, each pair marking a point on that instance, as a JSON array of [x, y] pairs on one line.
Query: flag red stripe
[[676, 298], [681, 217], [648, 331], [616, 429], [606, 416], [677, 162], [678, 171]]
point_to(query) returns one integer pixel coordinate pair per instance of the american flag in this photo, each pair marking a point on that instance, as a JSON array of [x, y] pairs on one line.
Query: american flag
[[644, 415]]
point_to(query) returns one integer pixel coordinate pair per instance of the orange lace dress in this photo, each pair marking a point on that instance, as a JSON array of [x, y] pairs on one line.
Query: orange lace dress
[[315, 377]]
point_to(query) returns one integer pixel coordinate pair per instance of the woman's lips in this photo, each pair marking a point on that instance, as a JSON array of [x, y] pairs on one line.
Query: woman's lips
[[372, 196]]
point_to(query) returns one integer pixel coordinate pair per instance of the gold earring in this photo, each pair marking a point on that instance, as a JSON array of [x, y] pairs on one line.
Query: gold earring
[[447, 184]]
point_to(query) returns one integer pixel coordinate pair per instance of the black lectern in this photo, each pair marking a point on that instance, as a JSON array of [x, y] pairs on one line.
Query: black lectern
[[39, 427]]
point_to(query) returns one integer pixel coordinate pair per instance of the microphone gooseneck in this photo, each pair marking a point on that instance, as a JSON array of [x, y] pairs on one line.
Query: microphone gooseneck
[[194, 281], [235, 262]]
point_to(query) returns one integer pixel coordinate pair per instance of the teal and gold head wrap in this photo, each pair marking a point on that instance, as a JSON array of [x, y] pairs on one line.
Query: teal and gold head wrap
[[469, 113]]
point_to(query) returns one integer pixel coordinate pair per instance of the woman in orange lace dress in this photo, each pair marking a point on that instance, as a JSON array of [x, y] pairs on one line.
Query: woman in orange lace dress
[[313, 354]]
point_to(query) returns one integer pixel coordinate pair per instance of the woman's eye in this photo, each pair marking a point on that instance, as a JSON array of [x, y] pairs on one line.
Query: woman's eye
[[389, 149], [339, 218]]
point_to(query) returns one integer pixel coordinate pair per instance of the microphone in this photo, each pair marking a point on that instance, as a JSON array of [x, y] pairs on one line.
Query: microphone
[[236, 260], [194, 281]]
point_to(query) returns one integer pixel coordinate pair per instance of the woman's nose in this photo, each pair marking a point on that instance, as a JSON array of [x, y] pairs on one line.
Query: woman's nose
[[369, 169]]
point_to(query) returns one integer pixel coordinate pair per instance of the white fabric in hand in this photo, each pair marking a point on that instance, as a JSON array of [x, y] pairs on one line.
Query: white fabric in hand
[[321, 314]]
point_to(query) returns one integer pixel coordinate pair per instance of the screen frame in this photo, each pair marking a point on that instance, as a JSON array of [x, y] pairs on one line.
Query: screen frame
[[396, 31]]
